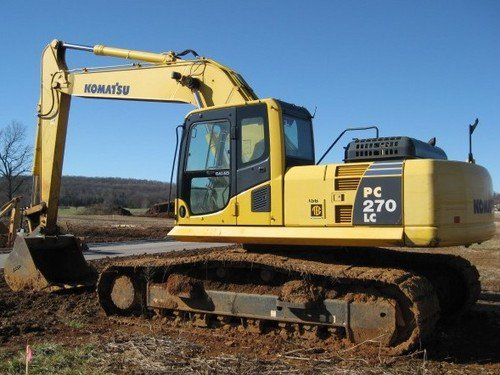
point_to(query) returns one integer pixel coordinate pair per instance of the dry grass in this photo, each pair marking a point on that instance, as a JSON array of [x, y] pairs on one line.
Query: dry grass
[[50, 358], [153, 355]]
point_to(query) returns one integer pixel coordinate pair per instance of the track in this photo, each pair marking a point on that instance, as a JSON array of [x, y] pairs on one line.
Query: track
[[393, 307], [454, 279]]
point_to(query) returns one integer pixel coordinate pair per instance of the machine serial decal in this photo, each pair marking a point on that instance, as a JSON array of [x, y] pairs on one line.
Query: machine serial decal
[[372, 206], [378, 201], [116, 89]]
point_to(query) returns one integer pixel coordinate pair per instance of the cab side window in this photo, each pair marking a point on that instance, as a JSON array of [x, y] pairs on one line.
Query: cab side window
[[253, 144]]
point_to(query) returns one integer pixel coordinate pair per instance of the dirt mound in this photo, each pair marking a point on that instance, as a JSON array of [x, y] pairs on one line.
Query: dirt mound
[[162, 209], [116, 233], [103, 209]]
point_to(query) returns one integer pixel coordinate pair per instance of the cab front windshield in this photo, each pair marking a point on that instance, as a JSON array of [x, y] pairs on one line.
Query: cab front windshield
[[299, 148], [208, 163]]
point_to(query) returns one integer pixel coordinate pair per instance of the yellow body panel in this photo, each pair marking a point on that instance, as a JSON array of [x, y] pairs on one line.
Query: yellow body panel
[[313, 188], [439, 203], [227, 216], [444, 203], [247, 217], [306, 186], [341, 236]]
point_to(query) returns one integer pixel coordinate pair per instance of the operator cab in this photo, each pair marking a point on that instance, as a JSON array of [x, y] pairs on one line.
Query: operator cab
[[226, 151]]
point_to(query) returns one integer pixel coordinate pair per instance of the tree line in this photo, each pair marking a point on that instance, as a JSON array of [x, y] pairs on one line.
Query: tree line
[[79, 191]]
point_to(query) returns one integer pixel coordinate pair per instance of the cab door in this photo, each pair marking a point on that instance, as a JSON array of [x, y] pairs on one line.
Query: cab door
[[253, 167], [207, 186]]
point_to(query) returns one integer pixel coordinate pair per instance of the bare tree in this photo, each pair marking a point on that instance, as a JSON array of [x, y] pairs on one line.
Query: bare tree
[[15, 157]]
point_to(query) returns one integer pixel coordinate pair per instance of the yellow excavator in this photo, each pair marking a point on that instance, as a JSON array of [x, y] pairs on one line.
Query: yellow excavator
[[8, 233], [310, 261]]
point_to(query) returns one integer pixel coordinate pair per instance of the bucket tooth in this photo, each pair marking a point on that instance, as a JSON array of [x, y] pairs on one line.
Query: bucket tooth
[[47, 263]]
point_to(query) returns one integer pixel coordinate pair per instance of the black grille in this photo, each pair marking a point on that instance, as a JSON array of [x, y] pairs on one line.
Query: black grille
[[387, 148], [261, 199]]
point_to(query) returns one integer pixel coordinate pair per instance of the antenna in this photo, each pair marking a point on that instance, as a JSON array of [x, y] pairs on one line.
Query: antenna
[[471, 130], [340, 136]]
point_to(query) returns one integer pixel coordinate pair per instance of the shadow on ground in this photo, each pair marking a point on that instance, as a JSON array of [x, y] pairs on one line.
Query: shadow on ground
[[474, 338]]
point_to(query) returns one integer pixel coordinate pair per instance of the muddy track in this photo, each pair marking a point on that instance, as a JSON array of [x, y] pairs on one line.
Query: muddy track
[[414, 294], [455, 279]]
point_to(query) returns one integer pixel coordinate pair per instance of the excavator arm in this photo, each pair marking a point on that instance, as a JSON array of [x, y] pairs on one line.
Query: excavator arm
[[158, 77], [45, 259]]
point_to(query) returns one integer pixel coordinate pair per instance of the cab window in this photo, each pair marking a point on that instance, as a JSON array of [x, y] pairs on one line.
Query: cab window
[[253, 143], [209, 146], [209, 155], [299, 148]]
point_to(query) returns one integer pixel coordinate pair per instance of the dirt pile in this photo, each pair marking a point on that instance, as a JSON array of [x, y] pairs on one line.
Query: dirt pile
[[116, 232], [106, 209], [115, 228], [162, 209]]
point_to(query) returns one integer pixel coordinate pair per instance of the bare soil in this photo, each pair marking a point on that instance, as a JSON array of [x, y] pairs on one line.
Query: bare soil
[[115, 228], [112, 228], [134, 345]]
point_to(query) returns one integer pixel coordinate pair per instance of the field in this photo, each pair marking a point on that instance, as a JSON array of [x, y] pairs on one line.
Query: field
[[71, 335], [113, 228]]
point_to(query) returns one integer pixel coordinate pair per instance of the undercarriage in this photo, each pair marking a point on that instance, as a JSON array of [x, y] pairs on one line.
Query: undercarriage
[[375, 295]]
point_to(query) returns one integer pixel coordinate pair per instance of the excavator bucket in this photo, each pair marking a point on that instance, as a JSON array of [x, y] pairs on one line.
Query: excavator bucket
[[47, 263]]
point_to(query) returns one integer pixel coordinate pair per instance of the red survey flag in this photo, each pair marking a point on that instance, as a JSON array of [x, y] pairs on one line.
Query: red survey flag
[[29, 354]]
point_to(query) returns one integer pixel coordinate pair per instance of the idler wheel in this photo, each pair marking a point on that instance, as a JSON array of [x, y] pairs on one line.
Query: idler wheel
[[123, 293]]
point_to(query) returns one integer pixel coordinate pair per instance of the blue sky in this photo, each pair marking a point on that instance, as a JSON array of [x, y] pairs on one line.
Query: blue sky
[[416, 68]]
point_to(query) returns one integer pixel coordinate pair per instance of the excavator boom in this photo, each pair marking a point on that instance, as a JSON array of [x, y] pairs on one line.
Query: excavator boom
[[44, 259], [164, 78]]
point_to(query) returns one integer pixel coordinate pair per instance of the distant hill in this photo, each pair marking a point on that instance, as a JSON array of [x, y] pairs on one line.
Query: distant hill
[[82, 191]]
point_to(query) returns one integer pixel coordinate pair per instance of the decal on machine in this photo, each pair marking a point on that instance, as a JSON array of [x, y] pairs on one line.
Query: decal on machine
[[483, 206], [316, 210], [378, 201], [116, 89]]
